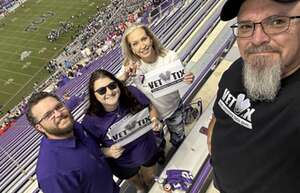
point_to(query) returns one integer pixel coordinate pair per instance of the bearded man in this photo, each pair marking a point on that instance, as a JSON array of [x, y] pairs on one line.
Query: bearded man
[[69, 160], [255, 130]]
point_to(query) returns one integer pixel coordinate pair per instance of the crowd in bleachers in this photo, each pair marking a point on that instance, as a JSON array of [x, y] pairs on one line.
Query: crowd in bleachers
[[109, 24], [63, 28], [113, 29], [10, 118], [6, 5]]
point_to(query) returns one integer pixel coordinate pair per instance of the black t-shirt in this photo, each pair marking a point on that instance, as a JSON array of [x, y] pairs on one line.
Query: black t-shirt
[[256, 145]]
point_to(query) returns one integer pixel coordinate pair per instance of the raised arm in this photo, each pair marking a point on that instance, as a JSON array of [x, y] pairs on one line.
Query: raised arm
[[127, 70], [210, 131]]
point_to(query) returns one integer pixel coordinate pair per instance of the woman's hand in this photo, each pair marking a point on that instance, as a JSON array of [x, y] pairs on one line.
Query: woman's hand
[[130, 68], [127, 70], [156, 124], [114, 151], [188, 77]]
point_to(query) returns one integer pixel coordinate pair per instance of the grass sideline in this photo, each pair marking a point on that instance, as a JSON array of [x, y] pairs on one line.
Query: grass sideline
[[40, 16]]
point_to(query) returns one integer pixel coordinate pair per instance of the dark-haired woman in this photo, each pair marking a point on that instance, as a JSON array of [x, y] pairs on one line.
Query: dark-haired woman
[[110, 101]]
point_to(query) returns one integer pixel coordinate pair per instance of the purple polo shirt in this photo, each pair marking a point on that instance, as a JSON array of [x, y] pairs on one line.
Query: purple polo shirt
[[73, 165], [137, 152]]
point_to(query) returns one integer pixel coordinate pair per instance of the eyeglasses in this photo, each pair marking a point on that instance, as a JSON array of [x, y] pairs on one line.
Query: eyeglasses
[[47, 116], [271, 25], [111, 86]]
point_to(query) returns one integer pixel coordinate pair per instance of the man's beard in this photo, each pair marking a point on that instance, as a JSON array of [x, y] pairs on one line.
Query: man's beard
[[262, 77], [59, 132]]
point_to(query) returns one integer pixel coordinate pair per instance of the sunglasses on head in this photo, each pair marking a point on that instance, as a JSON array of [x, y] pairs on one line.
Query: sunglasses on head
[[111, 86]]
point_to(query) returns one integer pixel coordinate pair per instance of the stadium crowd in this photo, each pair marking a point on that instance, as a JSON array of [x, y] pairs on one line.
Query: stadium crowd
[[6, 5]]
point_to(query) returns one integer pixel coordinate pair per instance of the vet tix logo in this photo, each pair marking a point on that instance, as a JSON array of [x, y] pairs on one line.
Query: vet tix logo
[[238, 108]]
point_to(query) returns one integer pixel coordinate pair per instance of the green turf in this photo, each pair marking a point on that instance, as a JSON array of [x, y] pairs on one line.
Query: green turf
[[16, 76]]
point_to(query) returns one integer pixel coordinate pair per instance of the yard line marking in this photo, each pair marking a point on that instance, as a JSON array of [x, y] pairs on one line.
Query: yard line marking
[[14, 19], [14, 72], [13, 62], [27, 10], [6, 93], [29, 40], [30, 57], [8, 82], [19, 46], [35, 74]]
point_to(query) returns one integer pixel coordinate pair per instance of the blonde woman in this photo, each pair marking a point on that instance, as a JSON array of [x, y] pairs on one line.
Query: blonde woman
[[143, 53]]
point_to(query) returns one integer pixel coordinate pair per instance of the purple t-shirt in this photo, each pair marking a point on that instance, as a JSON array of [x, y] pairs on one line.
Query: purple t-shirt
[[73, 165], [137, 152]]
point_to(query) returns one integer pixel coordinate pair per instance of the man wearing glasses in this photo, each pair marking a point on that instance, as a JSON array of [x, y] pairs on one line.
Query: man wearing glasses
[[255, 129], [69, 160]]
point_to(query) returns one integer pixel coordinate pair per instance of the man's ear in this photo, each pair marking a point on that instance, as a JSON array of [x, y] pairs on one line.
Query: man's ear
[[40, 128]]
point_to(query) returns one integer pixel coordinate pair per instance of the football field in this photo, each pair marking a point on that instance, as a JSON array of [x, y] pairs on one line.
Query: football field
[[24, 47]]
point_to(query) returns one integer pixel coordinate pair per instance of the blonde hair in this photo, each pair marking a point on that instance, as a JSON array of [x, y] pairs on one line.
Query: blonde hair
[[126, 49]]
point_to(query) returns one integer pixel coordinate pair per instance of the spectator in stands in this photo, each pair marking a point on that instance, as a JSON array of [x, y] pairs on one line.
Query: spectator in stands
[[5, 125], [255, 143], [2, 130], [110, 102], [144, 53], [63, 79], [69, 160], [156, 3], [71, 102]]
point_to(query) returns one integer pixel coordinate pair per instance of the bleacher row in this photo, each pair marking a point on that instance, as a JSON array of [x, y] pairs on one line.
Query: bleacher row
[[19, 147]]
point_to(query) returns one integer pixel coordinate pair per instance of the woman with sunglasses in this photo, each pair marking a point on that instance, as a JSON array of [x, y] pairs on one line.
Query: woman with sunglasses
[[110, 101]]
